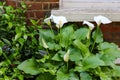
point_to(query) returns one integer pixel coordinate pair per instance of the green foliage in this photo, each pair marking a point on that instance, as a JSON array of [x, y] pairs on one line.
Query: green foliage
[[24, 57], [29, 66]]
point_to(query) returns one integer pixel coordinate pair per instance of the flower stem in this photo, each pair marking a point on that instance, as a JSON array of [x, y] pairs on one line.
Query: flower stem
[[96, 34], [67, 66], [60, 36], [88, 37], [51, 29]]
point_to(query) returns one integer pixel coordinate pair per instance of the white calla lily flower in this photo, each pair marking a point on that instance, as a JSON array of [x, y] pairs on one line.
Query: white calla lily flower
[[48, 20], [66, 56], [91, 26], [44, 43], [101, 19], [59, 21]]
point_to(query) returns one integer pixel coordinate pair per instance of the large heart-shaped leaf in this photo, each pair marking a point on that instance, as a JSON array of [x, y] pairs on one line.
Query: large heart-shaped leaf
[[45, 76], [75, 54], [29, 66], [92, 62], [81, 33], [82, 47], [97, 36], [66, 36], [48, 35], [85, 76], [109, 55], [106, 45]]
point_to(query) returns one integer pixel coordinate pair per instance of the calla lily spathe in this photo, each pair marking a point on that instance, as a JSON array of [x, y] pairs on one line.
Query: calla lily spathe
[[66, 56], [91, 26], [44, 44], [58, 20], [101, 19], [47, 20]]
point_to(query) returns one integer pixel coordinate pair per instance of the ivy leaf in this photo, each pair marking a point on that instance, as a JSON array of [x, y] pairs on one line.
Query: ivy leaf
[[6, 41], [85, 76], [99, 37], [81, 33], [18, 35], [29, 66], [92, 62], [66, 36]]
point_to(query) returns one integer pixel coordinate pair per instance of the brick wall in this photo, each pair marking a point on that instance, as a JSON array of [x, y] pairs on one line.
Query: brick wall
[[37, 9], [112, 32], [41, 8]]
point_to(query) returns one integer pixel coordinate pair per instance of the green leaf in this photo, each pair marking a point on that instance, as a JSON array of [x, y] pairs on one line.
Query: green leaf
[[81, 33], [47, 35], [21, 77], [25, 36], [10, 24], [1, 51], [106, 45], [98, 37], [34, 22], [92, 62], [6, 78], [82, 47], [6, 41], [62, 74], [21, 41], [66, 36], [53, 46], [29, 66], [75, 54], [45, 76], [18, 35], [104, 77], [116, 71], [57, 57], [73, 76], [85, 76], [110, 55]]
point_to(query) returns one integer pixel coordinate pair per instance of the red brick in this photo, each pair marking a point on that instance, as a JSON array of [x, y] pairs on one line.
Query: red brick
[[39, 14], [54, 5], [34, 5], [113, 27], [47, 0], [12, 3], [45, 6]]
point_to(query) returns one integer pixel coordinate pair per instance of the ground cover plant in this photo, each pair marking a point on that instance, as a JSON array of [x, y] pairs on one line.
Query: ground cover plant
[[68, 52]]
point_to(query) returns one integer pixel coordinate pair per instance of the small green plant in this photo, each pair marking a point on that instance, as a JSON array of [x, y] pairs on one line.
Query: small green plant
[[66, 53]]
